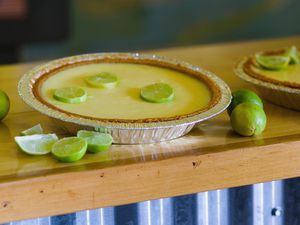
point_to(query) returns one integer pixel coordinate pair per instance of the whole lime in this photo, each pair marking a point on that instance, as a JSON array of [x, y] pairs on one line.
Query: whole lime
[[4, 104], [241, 96], [248, 119]]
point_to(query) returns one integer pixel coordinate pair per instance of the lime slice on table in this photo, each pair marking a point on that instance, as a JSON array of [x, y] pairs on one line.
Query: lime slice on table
[[273, 62], [102, 80], [38, 144], [69, 149], [70, 95], [37, 129], [97, 142], [293, 53], [157, 93]]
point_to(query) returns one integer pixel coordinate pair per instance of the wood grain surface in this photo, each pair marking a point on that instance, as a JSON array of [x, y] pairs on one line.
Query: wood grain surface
[[210, 157]]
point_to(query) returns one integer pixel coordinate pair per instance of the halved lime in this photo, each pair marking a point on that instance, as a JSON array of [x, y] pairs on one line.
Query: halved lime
[[273, 62], [293, 53], [69, 149], [157, 93], [102, 80], [97, 142], [70, 95], [37, 129], [38, 144]]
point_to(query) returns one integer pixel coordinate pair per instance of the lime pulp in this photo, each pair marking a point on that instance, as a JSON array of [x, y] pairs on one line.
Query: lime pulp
[[102, 80], [70, 95], [69, 149], [272, 62], [37, 129], [157, 93], [97, 142], [38, 144]]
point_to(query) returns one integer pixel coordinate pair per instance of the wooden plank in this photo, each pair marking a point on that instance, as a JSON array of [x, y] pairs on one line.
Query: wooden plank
[[57, 194], [210, 157]]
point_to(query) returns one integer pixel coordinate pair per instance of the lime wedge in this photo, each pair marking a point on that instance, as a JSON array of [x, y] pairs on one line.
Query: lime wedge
[[69, 149], [102, 80], [38, 144], [293, 53], [273, 62], [97, 142], [157, 93], [70, 95], [37, 129]]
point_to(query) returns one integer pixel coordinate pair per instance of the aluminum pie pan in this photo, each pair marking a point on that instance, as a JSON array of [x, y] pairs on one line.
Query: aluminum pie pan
[[278, 94], [123, 133]]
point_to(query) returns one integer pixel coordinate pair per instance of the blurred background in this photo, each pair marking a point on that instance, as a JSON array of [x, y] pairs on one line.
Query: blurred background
[[46, 29]]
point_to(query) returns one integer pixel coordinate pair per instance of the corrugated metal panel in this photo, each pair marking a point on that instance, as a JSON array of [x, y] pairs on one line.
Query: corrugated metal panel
[[240, 205], [259, 204], [267, 198], [212, 208], [156, 212], [291, 193]]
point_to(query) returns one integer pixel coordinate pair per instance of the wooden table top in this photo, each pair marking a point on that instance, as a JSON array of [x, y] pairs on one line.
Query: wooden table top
[[210, 157]]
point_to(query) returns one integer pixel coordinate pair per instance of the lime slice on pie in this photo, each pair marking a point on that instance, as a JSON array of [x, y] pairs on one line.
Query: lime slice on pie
[[97, 142], [37, 129], [102, 80], [69, 149], [292, 52], [273, 62], [38, 144], [70, 95], [157, 93]]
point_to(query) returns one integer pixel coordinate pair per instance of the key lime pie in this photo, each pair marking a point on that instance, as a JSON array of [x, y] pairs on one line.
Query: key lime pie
[[276, 74], [279, 67], [136, 98]]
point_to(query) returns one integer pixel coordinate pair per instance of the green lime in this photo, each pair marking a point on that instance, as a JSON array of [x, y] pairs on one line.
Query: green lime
[[37, 129], [102, 80], [293, 53], [97, 142], [241, 96], [37, 144], [248, 119], [69, 149], [157, 93], [70, 95], [273, 62], [4, 104]]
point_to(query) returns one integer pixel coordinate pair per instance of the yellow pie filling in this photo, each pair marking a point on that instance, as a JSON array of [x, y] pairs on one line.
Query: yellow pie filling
[[123, 101], [290, 74]]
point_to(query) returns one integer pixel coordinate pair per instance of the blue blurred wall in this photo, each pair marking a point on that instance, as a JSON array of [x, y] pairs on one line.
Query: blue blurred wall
[[118, 25]]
